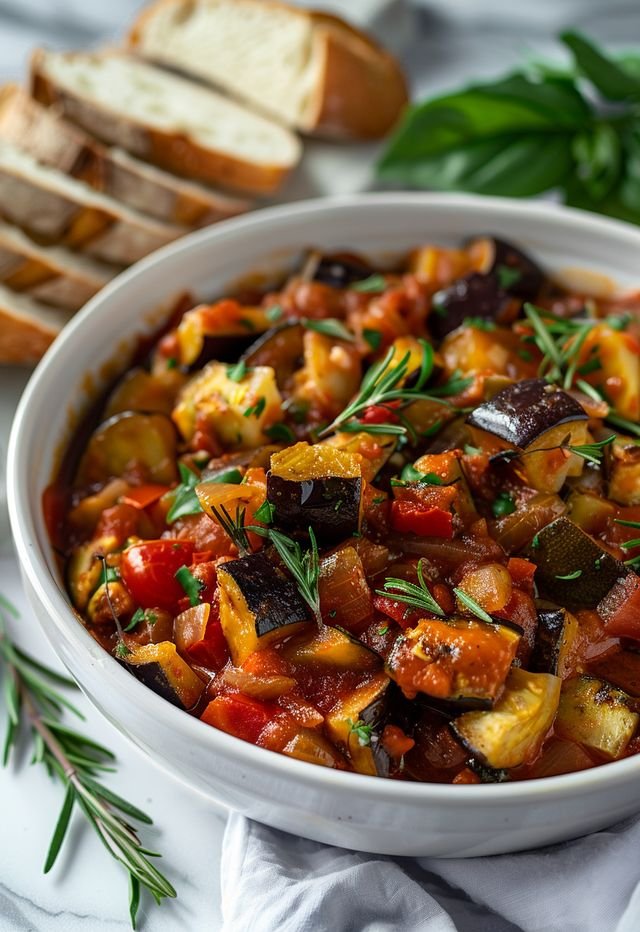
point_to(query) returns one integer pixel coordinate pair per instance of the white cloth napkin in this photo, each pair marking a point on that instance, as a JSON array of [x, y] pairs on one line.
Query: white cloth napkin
[[274, 881]]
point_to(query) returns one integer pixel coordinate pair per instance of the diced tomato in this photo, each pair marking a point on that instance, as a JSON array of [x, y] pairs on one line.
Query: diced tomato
[[408, 518], [119, 521], [522, 573], [212, 651], [400, 613], [521, 610], [395, 742], [240, 715], [148, 570], [466, 776], [144, 495]]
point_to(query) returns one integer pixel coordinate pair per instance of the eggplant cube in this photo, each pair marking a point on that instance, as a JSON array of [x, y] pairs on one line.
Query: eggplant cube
[[572, 568], [236, 413], [476, 295], [518, 274], [457, 660], [317, 486], [258, 605], [356, 723], [160, 667], [596, 715], [540, 421], [513, 731], [555, 637]]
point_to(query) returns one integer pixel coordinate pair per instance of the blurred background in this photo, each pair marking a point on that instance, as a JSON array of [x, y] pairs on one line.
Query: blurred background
[[438, 39]]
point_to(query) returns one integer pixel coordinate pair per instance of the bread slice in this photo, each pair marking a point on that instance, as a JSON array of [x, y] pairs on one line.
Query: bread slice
[[50, 274], [169, 120], [50, 139], [57, 210], [27, 328], [307, 69]]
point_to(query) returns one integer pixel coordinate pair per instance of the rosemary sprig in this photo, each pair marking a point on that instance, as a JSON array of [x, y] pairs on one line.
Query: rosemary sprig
[[383, 385], [233, 527], [34, 701], [304, 566], [473, 606], [592, 452], [559, 341], [417, 596]]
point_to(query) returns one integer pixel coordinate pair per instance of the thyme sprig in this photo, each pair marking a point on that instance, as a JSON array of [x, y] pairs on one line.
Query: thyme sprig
[[35, 706], [304, 565], [417, 596], [384, 386]]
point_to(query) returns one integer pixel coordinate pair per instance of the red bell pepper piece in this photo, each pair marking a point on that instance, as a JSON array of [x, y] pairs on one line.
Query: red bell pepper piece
[[144, 495], [240, 715], [522, 573], [212, 651], [411, 518]]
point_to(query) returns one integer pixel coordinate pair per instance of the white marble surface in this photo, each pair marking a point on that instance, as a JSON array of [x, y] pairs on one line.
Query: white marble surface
[[449, 41]]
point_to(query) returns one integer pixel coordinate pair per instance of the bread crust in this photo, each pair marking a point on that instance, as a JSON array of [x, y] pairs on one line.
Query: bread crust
[[362, 90], [25, 339], [175, 152], [24, 267], [51, 139]]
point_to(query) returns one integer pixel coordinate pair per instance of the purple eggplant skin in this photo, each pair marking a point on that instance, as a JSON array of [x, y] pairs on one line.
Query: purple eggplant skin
[[341, 269], [272, 599], [331, 506], [517, 273], [564, 549], [550, 633], [155, 678], [475, 295], [282, 348], [522, 412]]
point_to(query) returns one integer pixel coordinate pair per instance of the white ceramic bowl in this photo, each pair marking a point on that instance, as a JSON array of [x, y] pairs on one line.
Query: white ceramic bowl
[[350, 810]]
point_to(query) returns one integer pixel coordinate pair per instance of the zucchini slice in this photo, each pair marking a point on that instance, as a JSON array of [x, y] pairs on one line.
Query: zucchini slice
[[161, 668], [356, 723], [458, 660], [317, 486], [513, 731], [573, 569], [130, 442], [596, 714], [555, 636], [258, 605]]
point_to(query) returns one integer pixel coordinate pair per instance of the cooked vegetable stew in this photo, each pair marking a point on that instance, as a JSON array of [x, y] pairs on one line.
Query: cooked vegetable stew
[[386, 521]]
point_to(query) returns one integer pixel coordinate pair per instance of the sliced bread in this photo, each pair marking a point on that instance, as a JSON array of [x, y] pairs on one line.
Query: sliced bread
[[49, 138], [27, 328], [307, 69], [180, 125], [57, 210], [56, 276]]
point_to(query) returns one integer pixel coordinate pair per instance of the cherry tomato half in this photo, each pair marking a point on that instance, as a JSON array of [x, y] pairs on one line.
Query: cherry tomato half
[[148, 570]]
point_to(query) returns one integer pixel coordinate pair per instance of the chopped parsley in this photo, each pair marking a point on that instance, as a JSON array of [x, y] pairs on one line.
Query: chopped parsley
[[172, 362], [361, 731], [329, 327], [508, 276], [503, 504], [479, 323], [192, 586], [373, 338], [383, 629], [256, 409], [274, 313], [185, 499], [141, 615], [280, 431], [265, 512], [108, 574]]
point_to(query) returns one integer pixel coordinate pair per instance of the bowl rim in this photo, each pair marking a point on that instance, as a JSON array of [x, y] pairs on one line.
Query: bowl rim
[[36, 570]]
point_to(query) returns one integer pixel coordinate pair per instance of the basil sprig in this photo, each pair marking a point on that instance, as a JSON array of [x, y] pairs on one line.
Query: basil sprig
[[532, 132]]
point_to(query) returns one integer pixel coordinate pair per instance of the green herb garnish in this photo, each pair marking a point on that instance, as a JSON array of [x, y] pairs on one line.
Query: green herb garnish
[[237, 372], [473, 606], [304, 566], [373, 338], [508, 276], [479, 323], [256, 409], [503, 504], [185, 499], [417, 596], [374, 284], [274, 313], [592, 452], [361, 731], [280, 432], [265, 512], [567, 576], [192, 586]]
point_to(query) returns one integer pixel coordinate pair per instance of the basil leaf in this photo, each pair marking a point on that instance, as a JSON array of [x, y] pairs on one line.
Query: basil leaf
[[598, 156], [613, 80]]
